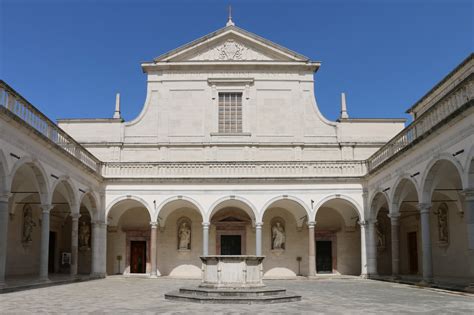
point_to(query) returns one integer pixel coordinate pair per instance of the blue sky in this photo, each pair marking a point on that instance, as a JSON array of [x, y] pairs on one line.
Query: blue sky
[[70, 57]]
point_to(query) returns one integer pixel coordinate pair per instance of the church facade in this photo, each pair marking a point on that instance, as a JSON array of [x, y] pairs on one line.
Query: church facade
[[231, 156]]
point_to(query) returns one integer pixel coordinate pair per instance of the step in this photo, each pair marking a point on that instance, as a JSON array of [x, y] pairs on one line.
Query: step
[[177, 296], [234, 292]]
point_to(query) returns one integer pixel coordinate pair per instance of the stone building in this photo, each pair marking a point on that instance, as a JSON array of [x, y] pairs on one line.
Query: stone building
[[230, 155]]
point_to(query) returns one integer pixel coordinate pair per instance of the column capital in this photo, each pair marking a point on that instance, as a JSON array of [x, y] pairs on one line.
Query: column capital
[[98, 223], [153, 224], [5, 196], [205, 225], [311, 224], [75, 216], [424, 207], [468, 194], [258, 225], [46, 208]]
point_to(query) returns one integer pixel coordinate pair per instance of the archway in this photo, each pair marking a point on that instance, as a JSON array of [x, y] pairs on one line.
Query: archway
[[63, 200], [87, 213], [337, 237], [283, 219], [128, 237], [29, 191], [231, 230], [405, 203], [449, 238], [383, 232], [179, 242]]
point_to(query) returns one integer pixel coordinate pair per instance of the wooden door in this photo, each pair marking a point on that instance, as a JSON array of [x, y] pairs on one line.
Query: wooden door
[[413, 252], [138, 257], [52, 251], [231, 245], [324, 256]]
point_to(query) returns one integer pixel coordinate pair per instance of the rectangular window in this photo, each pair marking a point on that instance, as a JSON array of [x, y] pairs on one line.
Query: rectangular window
[[230, 112]]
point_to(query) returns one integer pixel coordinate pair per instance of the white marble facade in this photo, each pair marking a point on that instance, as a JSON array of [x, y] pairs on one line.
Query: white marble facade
[[352, 196]]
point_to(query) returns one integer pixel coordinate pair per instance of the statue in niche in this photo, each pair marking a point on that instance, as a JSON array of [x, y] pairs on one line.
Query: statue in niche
[[443, 223], [184, 237], [28, 224], [380, 237], [278, 236], [84, 235]]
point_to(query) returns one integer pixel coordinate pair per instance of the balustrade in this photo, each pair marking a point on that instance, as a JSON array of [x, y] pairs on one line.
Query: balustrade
[[19, 106]]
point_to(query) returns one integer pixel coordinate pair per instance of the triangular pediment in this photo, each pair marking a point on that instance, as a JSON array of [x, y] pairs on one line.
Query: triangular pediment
[[231, 44]]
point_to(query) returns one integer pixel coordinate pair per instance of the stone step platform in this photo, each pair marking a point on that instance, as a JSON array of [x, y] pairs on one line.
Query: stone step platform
[[233, 296]]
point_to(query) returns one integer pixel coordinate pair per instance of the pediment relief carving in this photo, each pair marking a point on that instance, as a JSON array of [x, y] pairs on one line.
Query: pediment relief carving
[[230, 50]]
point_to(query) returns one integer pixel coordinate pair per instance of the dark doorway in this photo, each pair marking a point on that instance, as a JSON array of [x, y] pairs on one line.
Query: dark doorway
[[413, 252], [52, 251], [324, 256], [231, 245], [138, 257]]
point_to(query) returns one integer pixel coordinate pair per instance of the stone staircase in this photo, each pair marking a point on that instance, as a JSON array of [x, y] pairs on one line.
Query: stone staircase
[[262, 295]]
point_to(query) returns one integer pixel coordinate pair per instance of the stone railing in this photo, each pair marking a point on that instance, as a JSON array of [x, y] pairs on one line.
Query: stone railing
[[422, 126], [19, 106], [234, 169]]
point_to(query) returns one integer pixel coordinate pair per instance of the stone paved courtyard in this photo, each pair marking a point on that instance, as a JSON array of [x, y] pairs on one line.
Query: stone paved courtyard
[[136, 295]]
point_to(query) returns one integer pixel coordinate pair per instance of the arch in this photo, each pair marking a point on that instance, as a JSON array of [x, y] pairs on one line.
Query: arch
[[117, 200], [91, 205], [3, 173], [248, 207], [427, 181], [396, 197], [172, 199], [377, 202], [354, 203], [297, 200], [41, 181], [70, 188]]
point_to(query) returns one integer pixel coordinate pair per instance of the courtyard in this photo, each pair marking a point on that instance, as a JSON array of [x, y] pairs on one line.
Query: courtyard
[[118, 294]]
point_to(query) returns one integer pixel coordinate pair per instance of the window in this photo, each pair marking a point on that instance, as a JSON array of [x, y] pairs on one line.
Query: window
[[230, 112]]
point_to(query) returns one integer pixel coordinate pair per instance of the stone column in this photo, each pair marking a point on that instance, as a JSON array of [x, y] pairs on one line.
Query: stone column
[[425, 209], [363, 247], [3, 237], [46, 209], [395, 231], [153, 232], [74, 243], [469, 213], [258, 238], [95, 248], [311, 250], [371, 249], [205, 238]]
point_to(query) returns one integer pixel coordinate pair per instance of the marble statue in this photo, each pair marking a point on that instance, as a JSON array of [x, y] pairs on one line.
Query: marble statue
[[443, 224], [278, 236], [28, 225], [184, 236], [84, 235]]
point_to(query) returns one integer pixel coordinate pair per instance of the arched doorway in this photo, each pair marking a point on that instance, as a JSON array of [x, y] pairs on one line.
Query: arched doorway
[[337, 238], [87, 211], [128, 238]]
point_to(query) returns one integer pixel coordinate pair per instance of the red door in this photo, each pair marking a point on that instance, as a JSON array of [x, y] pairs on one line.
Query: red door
[[138, 257]]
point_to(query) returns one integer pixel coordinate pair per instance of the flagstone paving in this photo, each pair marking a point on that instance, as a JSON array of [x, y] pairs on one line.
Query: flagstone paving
[[139, 295]]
